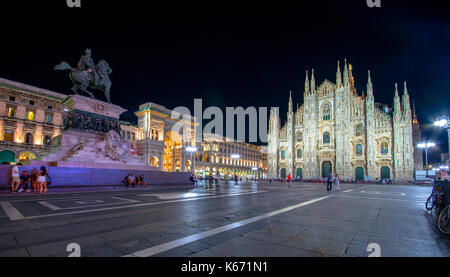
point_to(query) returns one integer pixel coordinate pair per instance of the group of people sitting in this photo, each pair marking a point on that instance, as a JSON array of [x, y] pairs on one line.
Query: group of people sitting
[[23, 181], [131, 180]]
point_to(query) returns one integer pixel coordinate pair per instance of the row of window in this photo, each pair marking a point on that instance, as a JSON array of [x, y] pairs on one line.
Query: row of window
[[358, 150], [30, 102], [326, 135], [128, 135], [30, 115], [29, 138]]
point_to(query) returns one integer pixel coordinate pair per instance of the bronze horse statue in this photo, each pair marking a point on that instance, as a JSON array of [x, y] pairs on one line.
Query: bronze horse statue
[[83, 79]]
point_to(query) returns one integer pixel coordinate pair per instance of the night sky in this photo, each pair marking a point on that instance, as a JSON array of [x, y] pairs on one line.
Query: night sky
[[235, 54]]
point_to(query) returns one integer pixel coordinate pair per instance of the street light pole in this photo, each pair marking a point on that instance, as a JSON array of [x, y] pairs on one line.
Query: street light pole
[[444, 121], [426, 146]]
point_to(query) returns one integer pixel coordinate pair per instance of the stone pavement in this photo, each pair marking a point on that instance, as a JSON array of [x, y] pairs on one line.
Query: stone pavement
[[245, 220]]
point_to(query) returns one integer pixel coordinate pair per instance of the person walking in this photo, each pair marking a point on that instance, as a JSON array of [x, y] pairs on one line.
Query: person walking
[[15, 178], [329, 182], [42, 180], [289, 180], [337, 182]]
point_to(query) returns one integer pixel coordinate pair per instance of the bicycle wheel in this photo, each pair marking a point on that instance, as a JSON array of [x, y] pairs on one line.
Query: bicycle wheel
[[443, 222], [430, 203]]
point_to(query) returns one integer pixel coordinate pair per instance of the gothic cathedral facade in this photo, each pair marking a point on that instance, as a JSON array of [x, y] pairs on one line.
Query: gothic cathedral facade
[[338, 131]]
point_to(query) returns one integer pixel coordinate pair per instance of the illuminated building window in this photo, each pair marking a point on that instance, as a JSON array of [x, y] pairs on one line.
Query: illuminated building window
[[9, 135], [134, 136], [30, 115], [11, 112]]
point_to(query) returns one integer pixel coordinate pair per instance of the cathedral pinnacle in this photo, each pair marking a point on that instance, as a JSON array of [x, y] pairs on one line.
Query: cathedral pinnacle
[[369, 86], [346, 77], [313, 81], [338, 76], [306, 83]]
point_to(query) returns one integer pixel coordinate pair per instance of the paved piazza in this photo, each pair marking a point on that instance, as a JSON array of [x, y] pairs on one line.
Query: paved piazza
[[244, 220]]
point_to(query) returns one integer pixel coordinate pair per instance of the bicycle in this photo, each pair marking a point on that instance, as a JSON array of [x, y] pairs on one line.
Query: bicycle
[[434, 201], [443, 221]]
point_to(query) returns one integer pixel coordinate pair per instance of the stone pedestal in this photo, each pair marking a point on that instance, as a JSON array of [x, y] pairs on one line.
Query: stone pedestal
[[91, 138]]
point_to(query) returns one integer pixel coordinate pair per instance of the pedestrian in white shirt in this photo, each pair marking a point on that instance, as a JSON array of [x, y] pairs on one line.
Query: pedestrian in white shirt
[[15, 177]]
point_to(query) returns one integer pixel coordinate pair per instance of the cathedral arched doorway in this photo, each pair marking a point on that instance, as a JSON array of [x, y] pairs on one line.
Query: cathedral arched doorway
[[283, 173], [326, 169], [359, 174], [299, 173], [385, 172]]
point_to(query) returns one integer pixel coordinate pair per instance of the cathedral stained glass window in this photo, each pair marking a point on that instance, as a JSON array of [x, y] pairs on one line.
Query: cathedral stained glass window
[[384, 148], [326, 112], [359, 150], [283, 154], [326, 137], [299, 153], [358, 130]]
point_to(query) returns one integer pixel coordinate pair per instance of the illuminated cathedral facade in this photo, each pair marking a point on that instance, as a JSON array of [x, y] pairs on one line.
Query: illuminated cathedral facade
[[338, 131]]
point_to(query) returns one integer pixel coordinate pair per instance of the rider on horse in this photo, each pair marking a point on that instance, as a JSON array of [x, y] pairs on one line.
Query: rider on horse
[[86, 64]]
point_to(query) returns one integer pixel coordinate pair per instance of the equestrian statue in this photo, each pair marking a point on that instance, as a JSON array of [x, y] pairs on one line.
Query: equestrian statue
[[88, 75]]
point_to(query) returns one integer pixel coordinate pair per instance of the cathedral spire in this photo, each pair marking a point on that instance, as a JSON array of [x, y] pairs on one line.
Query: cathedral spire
[[405, 103], [313, 82], [290, 102], [338, 76], [415, 121], [346, 77], [397, 112], [369, 86], [307, 83]]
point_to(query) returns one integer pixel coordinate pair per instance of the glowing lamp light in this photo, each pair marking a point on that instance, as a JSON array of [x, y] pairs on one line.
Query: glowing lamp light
[[191, 148], [426, 145], [235, 156]]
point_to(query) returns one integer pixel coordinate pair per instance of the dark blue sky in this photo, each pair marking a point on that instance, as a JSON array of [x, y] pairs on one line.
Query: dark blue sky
[[235, 55]]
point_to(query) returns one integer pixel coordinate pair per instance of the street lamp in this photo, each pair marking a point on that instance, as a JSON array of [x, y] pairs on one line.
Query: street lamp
[[235, 157], [192, 149], [444, 121], [426, 146]]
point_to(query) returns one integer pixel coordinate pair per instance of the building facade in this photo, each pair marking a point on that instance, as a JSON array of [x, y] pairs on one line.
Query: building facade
[[227, 158], [160, 139], [30, 118], [339, 131]]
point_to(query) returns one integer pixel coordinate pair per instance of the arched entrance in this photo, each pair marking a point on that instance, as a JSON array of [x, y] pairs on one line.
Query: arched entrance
[[326, 169], [385, 172], [359, 174], [7, 156], [26, 156], [154, 161], [283, 173], [172, 152], [299, 173]]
